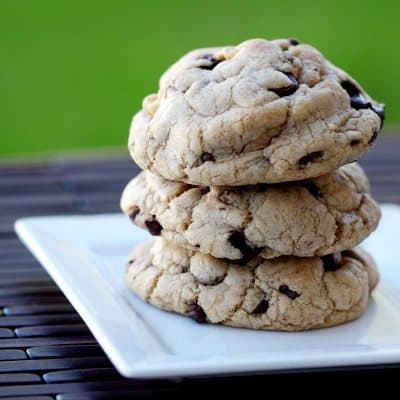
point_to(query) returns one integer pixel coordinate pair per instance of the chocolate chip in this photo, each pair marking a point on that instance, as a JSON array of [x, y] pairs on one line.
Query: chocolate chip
[[380, 110], [355, 142], [204, 189], [262, 307], [218, 280], [185, 268], [288, 90], [213, 62], [312, 188], [350, 88], [289, 57], [310, 158], [293, 41], [238, 240], [358, 101], [373, 137], [207, 157], [198, 315], [332, 262], [225, 198], [153, 226], [133, 213], [289, 293]]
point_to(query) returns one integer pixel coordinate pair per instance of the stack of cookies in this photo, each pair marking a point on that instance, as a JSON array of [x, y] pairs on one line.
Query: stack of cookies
[[250, 185]]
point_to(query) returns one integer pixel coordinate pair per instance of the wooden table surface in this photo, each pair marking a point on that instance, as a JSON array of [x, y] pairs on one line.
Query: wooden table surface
[[47, 352]]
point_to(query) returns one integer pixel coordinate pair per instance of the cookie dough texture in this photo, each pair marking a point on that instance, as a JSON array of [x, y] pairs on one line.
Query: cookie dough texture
[[318, 216], [286, 293], [263, 111]]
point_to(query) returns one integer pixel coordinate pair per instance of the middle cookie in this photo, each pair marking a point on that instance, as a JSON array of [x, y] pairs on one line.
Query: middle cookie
[[308, 218]]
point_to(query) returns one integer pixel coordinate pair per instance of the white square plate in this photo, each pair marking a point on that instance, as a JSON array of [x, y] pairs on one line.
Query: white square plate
[[85, 255]]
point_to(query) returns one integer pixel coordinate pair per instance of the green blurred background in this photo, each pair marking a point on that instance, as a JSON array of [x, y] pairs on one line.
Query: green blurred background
[[72, 73]]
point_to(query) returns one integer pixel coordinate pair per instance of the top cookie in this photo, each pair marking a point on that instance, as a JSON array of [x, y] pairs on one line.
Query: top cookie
[[263, 111]]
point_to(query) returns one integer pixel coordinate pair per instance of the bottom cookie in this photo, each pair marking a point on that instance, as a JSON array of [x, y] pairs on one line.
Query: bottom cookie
[[286, 293]]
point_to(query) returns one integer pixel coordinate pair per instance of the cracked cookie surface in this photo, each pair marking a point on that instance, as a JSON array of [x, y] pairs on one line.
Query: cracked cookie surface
[[286, 293], [317, 216], [263, 111]]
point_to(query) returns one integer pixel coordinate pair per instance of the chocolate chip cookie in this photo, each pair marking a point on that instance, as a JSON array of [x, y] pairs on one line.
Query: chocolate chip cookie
[[260, 112], [317, 216], [286, 293]]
